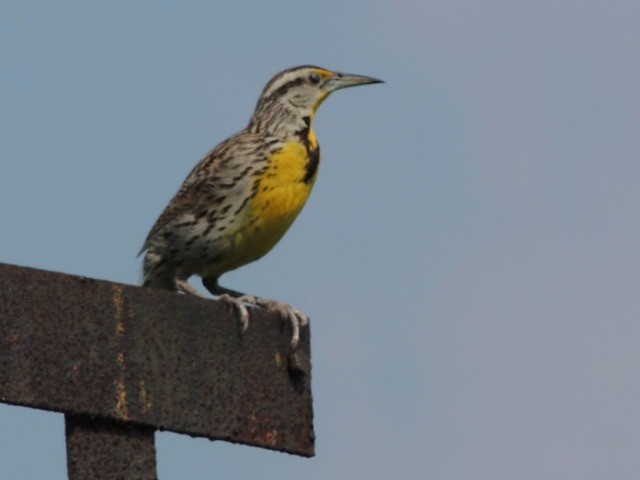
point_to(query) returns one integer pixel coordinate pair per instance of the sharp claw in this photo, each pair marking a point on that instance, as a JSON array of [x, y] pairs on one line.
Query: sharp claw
[[244, 318], [241, 309], [304, 320], [295, 329]]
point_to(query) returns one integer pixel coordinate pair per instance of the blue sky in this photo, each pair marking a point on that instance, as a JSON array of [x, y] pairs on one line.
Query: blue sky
[[469, 254]]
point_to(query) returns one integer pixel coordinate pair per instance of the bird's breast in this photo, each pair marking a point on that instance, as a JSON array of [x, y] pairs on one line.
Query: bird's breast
[[282, 190]]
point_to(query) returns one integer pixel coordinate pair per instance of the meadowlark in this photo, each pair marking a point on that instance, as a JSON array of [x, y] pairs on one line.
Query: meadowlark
[[241, 198]]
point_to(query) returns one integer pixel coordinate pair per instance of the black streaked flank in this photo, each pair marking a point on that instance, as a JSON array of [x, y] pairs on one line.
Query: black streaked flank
[[190, 242], [244, 203]]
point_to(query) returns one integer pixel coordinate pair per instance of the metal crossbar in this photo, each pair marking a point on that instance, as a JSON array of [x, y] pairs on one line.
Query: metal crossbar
[[122, 362]]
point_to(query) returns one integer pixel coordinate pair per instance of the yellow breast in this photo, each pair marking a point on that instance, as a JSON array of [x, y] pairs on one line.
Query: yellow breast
[[282, 191]]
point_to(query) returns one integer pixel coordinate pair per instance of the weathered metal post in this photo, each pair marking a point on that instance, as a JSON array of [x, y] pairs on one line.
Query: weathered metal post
[[122, 362], [98, 448]]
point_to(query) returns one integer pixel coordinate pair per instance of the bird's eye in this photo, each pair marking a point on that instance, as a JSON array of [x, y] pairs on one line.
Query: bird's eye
[[314, 78]]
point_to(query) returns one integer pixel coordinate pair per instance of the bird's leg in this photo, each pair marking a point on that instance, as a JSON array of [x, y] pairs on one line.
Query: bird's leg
[[184, 287], [295, 317]]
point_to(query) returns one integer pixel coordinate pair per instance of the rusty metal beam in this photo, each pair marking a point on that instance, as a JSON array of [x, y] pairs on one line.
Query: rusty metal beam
[[103, 450], [154, 359]]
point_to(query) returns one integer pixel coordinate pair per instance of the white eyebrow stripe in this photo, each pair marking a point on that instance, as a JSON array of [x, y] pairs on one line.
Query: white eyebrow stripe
[[281, 80]]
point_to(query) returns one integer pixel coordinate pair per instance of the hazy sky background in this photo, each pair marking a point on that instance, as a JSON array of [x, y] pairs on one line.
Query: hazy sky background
[[469, 255]]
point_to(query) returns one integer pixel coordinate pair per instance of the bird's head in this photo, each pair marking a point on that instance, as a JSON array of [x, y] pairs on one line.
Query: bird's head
[[295, 94]]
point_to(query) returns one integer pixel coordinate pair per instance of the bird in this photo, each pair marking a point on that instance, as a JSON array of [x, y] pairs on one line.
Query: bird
[[242, 197]]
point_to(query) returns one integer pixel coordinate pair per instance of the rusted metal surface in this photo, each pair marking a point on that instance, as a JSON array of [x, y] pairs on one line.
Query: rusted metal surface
[[170, 362], [104, 450]]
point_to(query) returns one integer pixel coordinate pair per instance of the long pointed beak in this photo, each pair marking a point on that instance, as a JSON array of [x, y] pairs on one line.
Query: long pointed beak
[[344, 80]]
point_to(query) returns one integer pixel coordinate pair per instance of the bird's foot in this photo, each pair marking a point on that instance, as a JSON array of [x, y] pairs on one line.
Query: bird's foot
[[241, 309], [296, 318]]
